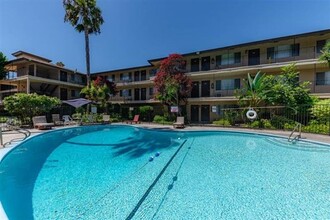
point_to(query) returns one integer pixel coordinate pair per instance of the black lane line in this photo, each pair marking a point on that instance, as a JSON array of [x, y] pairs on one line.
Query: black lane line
[[131, 215]]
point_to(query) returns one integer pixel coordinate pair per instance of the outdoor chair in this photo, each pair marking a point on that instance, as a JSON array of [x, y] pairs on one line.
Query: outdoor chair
[[135, 120], [67, 120], [106, 119], [179, 122], [57, 120], [40, 122]]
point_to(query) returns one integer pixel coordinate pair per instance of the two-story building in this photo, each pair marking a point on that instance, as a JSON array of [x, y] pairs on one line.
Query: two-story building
[[216, 73], [29, 73]]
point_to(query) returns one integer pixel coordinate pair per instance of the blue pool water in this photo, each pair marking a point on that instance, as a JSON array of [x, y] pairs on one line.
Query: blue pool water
[[104, 172]]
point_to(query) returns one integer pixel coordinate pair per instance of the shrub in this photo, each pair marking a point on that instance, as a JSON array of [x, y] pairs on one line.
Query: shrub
[[145, 112], [321, 110], [222, 122], [315, 127], [279, 122], [288, 126], [266, 124], [28, 105], [256, 124], [161, 119]]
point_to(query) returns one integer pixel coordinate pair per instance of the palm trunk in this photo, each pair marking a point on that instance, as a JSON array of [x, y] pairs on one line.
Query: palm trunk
[[88, 76], [87, 58]]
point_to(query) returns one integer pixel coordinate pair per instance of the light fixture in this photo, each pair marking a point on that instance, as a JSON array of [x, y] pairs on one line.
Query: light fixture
[[212, 85]]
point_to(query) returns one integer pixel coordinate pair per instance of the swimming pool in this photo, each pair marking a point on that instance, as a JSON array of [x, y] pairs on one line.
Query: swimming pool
[[106, 172]]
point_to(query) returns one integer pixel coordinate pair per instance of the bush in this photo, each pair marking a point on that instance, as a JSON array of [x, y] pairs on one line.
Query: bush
[[256, 124], [321, 110], [222, 122], [266, 124], [161, 119], [145, 112], [315, 127], [28, 105], [279, 122]]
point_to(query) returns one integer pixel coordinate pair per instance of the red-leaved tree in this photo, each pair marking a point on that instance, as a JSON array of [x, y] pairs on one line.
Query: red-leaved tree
[[171, 83]]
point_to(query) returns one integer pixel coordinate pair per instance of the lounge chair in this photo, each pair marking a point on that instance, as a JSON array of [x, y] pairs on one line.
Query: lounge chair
[[67, 120], [40, 122], [179, 122], [106, 119], [57, 120], [135, 120]]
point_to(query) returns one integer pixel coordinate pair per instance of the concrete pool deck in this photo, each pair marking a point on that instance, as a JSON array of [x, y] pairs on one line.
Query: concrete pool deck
[[10, 135]]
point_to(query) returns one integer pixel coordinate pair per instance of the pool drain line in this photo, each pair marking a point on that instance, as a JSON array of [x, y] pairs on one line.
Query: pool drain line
[[136, 208], [110, 190], [175, 178]]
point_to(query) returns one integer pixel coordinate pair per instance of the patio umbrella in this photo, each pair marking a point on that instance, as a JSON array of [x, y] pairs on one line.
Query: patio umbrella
[[77, 102]]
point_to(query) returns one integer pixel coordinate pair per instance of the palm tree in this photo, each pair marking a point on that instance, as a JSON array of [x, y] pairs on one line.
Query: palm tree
[[325, 56], [85, 17], [253, 91]]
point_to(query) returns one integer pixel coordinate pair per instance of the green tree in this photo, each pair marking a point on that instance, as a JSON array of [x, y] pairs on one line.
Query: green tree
[[3, 61], [253, 91], [171, 83], [325, 54], [26, 106], [99, 91], [85, 17], [285, 89]]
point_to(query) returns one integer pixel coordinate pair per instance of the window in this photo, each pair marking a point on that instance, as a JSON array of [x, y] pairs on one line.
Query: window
[[323, 78], [112, 78], [74, 93], [125, 93], [320, 44], [228, 59], [143, 93], [152, 72], [126, 76], [283, 51], [143, 75], [63, 76], [137, 76], [72, 77], [151, 92], [31, 70], [227, 84]]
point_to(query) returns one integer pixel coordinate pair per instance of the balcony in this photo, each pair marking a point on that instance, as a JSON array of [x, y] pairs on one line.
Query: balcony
[[263, 59]]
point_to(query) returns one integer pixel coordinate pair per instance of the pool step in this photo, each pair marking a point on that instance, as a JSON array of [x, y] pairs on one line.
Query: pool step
[[299, 145]]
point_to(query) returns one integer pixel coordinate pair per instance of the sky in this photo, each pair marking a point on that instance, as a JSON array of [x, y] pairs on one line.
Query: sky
[[135, 31]]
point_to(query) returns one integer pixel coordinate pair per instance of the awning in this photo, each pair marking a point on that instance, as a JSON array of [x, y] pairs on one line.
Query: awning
[[77, 102]]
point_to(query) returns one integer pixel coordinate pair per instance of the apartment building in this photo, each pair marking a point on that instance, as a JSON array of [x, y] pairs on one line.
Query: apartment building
[[216, 73], [29, 73]]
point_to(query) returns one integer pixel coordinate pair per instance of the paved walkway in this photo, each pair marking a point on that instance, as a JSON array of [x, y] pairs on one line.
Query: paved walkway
[[10, 135]]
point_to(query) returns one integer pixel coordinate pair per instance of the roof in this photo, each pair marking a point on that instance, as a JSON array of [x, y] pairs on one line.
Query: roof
[[123, 70], [43, 63], [20, 52]]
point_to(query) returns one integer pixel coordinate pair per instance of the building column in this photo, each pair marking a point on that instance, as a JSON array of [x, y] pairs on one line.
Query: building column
[[35, 70], [28, 86]]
